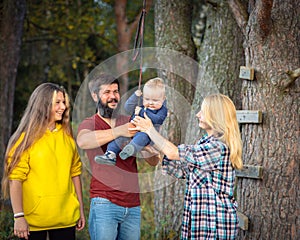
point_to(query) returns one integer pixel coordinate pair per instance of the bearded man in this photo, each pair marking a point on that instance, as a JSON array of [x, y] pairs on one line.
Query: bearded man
[[114, 190]]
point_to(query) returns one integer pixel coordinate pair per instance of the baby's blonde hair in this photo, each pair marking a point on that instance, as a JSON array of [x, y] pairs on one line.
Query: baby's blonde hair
[[220, 114], [156, 84]]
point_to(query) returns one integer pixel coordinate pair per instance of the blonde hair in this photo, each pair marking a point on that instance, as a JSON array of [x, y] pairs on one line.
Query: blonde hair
[[220, 114], [156, 84], [33, 125]]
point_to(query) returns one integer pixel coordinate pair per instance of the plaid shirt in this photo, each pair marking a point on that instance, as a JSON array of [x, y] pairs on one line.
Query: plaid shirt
[[209, 206]]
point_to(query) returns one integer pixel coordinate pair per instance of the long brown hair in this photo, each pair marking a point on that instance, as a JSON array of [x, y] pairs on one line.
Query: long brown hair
[[33, 125], [220, 114]]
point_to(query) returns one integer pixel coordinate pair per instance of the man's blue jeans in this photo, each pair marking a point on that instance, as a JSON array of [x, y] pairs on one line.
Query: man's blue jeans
[[108, 221]]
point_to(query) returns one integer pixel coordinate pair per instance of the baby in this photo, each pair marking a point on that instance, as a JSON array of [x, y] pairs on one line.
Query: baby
[[153, 104]]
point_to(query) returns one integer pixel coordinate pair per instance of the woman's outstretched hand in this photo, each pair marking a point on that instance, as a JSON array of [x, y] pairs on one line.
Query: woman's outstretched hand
[[163, 145], [142, 124]]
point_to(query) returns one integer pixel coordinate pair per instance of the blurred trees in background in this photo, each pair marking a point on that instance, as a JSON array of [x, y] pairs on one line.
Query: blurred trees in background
[[12, 15], [64, 40]]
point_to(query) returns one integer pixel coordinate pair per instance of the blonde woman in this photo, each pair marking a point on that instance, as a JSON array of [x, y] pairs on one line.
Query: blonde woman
[[208, 167], [42, 169]]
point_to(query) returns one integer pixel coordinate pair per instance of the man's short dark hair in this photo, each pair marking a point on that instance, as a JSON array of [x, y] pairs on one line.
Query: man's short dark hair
[[102, 79]]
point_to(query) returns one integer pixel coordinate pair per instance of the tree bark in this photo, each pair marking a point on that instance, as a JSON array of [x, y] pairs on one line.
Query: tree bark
[[271, 42], [11, 30], [220, 56], [173, 30]]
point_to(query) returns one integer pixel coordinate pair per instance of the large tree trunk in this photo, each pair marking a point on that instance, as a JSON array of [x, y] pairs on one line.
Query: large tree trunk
[[12, 15], [220, 55], [173, 30], [272, 36]]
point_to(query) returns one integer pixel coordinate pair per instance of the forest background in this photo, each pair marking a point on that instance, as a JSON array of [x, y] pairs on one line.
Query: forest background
[[62, 41]]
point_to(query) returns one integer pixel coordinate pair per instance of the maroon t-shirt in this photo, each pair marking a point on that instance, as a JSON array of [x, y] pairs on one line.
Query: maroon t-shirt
[[119, 183]]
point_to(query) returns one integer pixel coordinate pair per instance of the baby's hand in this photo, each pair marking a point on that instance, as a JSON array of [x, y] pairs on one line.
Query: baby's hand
[[138, 93], [137, 110]]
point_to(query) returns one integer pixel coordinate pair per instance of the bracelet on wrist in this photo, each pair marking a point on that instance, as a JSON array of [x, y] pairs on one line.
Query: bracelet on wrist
[[15, 219], [19, 215]]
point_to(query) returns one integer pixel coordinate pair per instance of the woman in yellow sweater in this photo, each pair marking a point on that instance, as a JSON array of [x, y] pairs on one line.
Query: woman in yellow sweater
[[42, 169]]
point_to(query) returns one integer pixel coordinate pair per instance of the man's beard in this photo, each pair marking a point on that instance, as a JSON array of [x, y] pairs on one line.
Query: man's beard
[[105, 111]]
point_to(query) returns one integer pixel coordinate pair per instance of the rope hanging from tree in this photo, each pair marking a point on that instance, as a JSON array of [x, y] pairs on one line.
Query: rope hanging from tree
[[138, 42]]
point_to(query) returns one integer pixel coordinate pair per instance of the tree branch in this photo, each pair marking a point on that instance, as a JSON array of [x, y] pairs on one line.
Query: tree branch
[[285, 79], [212, 3], [293, 75], [264, 17], [240, 14]]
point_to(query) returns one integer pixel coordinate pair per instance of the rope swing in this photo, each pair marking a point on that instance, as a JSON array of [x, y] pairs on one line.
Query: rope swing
[[138, 42]]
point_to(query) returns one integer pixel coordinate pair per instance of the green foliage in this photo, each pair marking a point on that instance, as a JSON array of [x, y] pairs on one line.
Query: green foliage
[[64, 40], [147, 205], [147, 216], [85, 178], [6, 222]]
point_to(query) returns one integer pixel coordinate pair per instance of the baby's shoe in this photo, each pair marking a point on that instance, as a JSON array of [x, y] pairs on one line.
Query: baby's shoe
[[109, 158], [127, 151]]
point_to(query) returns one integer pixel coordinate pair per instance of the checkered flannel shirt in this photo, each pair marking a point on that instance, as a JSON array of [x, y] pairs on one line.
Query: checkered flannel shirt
[[209, 206]]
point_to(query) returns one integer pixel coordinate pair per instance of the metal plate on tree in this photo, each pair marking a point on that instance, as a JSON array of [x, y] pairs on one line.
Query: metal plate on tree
[[249, 116]]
